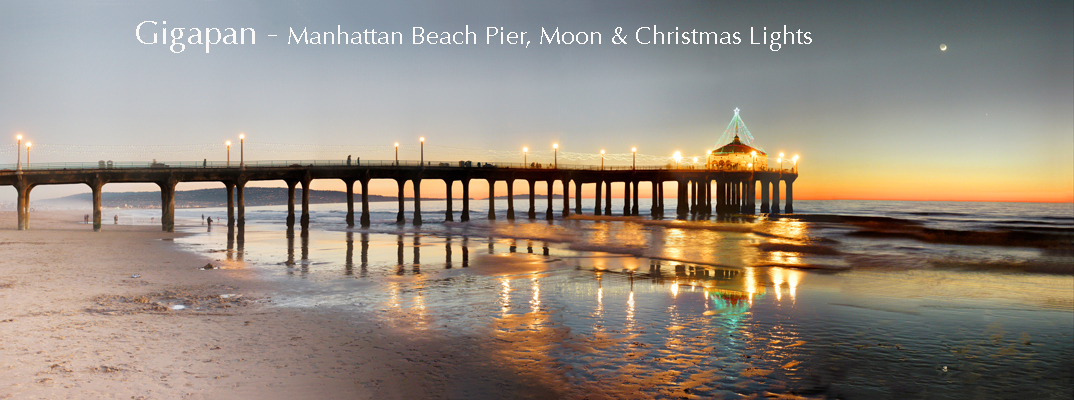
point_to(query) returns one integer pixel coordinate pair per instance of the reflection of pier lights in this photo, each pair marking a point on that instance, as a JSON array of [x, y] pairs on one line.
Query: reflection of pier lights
[[535, 304], [781, 276], [505, 295]]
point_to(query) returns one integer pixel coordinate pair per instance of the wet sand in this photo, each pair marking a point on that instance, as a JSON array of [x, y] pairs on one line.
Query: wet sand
[[76, 324]]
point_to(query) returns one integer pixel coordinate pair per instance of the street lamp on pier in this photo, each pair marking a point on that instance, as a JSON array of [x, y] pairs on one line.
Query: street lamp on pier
[[242, 137], [422, 140], [228, 144], [678, 157], [28, 144], [18, 148], [396, 154], [780, 163], [602, 160], [525, 150], [555, 155], [795, 161], [633, 158]]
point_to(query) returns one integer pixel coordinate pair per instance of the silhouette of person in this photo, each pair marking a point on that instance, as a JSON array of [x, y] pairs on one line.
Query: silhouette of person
[[116, 219]]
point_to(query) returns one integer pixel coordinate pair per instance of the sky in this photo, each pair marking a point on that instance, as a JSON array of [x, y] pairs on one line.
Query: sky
[[872, 105]]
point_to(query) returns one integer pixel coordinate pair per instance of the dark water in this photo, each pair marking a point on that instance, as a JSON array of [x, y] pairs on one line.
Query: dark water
[[636, 308]]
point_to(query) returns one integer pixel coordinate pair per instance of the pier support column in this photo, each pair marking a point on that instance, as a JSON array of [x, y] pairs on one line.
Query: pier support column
[[634, 207], [23, 203], [417, 201], [789, 207], [365, 203], [736, 198], [596, 198], [448, 215], [399, 217], [626, 198], [683, 207], [240, 199], [492, 199], [305, 218], [656, 204], [167, 204], [511, 199], [350, 201], [96, 185], [764, 197], [533, 199], [659, 199], [551, 192], [578, 197], [745, 198], [708, 197], [291, 203], [692, 187], [751, 197], [230, 189], [465, 200], [566, 197], [775, 197], [608, 198]]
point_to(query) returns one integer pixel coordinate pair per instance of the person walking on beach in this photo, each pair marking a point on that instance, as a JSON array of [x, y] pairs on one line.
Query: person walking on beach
[[203, 219], [210, 221], [116, 219], [87, 218]]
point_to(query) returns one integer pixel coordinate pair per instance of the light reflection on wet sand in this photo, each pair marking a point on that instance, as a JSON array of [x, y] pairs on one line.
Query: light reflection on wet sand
[[600, 324]]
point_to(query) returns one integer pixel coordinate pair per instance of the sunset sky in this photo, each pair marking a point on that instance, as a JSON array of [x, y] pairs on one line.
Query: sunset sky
[[872, 105]]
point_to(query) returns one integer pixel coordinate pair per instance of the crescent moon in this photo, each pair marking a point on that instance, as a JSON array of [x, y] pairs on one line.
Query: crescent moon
[[943, 47]]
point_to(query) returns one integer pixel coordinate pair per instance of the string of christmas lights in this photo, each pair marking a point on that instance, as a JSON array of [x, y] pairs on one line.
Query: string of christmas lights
[[268, 151]]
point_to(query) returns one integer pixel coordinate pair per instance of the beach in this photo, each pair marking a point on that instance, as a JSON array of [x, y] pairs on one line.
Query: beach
[[77, 324], [578, 308]]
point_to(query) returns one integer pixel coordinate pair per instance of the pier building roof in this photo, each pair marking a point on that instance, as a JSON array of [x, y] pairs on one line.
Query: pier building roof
[[737, 147]]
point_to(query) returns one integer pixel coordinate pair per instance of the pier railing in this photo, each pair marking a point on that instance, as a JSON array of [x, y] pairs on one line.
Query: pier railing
[[367, 163]]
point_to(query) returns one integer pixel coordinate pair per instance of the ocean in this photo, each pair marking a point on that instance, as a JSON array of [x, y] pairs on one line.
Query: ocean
[[845, 299]]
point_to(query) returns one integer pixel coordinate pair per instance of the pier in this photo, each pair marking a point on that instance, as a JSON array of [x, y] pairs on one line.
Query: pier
[[701, 192]]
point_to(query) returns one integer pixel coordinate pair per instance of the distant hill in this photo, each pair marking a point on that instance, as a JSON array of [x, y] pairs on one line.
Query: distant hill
[[217, 197]]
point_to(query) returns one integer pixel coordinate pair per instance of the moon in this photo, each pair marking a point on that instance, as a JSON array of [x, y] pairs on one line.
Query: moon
[[943, 47]]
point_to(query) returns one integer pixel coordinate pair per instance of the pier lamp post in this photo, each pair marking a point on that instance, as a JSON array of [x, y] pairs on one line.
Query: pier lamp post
[[601, 160], [28, 144], [781, 163], [695, 164], [18, 149], [228, 144], [396, 154], [633, 158], [555, 155], [242, 137], [678, 157], [793, 160], [422, 140], [525, 150]]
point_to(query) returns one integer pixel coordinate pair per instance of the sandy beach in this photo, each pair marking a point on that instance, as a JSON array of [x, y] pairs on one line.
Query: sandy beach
[[89, 315]]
